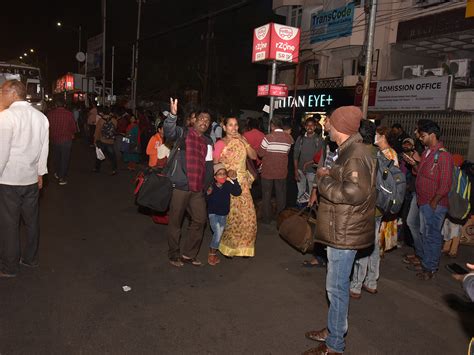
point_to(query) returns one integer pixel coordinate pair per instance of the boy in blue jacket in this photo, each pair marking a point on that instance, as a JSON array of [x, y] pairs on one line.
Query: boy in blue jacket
[[218, 205]]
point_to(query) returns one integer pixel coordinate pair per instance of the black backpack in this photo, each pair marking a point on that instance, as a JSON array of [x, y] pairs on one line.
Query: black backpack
[[390, 185], [108, 129]]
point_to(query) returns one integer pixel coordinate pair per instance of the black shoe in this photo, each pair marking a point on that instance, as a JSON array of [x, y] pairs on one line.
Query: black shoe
[[32, 265]]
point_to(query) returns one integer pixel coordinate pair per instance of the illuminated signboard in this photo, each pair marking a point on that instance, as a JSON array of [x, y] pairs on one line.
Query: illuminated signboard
[[316, 99]]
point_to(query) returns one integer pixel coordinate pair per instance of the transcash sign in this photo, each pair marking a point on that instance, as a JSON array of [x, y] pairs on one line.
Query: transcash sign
[[413, 94]]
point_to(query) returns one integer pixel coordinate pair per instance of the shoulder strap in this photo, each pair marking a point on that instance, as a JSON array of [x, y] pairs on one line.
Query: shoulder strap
[[437, 153]]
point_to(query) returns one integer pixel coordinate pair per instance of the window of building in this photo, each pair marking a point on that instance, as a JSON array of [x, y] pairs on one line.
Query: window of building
[[311, 71], [296, 15], [350, 66]]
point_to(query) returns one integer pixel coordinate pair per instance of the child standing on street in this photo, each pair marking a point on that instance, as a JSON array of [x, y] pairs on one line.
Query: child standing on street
[[218, 196]]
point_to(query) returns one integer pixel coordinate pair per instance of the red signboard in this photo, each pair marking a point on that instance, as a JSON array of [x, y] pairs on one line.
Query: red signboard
[[279, 90], [372, 94], [276, 42], [64, 83]]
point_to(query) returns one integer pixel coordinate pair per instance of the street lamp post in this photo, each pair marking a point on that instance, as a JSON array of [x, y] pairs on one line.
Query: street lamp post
[[59, 24]]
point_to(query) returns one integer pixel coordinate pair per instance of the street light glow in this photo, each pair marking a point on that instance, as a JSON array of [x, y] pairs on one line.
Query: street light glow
[[59, 24], [25, 54], [21, 57], [32, 50]]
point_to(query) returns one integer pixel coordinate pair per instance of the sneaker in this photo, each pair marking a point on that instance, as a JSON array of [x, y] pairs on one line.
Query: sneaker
[[56, 176], [32, 265], [304, 198], [62, 182]]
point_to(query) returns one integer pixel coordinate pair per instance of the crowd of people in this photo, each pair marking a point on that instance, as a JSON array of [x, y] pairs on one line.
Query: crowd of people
[[215, 166]]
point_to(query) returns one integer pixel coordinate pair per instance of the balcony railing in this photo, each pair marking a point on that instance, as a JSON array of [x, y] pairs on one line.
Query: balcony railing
[[327, 83]]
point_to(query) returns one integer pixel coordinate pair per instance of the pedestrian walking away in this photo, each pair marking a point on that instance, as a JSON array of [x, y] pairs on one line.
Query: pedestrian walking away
[[62, 128], [274, 153]]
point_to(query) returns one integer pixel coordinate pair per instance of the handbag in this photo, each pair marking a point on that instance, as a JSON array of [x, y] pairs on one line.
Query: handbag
[[153, 190], [298, 229]]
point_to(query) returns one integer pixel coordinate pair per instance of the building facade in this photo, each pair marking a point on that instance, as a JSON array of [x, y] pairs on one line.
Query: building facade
[[416, 42]]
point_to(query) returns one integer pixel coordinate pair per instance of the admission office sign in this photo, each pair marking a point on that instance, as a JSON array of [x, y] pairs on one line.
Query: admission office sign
[[413, 94]]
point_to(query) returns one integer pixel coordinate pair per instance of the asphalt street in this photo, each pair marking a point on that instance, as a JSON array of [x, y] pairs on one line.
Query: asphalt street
[[93, 242]]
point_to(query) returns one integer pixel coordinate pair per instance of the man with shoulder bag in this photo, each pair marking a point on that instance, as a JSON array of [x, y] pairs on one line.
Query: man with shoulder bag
[[190, 169]]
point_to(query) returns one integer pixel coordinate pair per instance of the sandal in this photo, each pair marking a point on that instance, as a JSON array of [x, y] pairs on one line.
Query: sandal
[[176, 262], [212, 259], [310, 263], [192, 261]]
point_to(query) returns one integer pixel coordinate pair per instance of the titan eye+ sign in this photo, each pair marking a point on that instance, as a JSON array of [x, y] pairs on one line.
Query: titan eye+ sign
[[306, 101]]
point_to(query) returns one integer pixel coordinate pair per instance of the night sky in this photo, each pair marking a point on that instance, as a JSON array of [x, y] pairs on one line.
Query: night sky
[[171, 60]]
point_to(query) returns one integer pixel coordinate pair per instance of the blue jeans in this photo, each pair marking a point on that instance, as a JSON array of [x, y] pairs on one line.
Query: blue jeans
[[431, 224], [217, 224], [340, 263], [413, 222], [366, 270], [306, 183]]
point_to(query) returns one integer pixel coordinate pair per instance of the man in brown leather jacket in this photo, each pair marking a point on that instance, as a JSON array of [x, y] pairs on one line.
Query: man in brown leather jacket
[[346, 220]]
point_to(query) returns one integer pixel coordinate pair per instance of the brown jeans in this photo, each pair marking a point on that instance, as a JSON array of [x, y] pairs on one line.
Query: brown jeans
[[195, 204]]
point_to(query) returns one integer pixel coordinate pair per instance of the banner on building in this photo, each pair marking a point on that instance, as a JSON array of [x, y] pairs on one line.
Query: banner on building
[[332, 24], [422, 94], [94, 56]]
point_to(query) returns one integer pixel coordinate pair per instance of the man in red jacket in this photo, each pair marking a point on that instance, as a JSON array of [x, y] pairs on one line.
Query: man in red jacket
[[62, 128]]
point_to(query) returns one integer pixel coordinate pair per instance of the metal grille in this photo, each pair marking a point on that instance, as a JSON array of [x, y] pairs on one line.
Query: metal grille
[[329, 83], [455, 127]]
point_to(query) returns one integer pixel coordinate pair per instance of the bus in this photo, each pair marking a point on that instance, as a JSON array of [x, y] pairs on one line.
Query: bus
[[30, 76]]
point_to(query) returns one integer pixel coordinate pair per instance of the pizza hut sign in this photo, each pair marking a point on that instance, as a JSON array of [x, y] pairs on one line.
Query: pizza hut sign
[[276, 42]]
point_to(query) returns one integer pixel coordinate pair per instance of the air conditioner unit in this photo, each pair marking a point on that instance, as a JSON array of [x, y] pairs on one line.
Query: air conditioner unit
[[412, 71], [460, 68], [433, 72]]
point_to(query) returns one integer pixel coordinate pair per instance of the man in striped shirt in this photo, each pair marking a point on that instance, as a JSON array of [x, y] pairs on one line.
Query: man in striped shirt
[[274, 153]]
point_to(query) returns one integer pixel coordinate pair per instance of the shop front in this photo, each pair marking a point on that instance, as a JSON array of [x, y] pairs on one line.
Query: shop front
[[408, 100]]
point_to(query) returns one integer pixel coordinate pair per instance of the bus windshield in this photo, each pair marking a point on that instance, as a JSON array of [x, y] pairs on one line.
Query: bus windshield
[[33, 92]]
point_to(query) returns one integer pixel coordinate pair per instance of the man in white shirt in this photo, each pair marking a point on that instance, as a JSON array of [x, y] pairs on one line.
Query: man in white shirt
[[24, 140]]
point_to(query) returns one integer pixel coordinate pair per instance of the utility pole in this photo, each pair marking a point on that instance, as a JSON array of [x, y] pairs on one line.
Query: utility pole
[[206, 86], [368, 64], [104, 25], [112, 75], [272, 98], [79, 48], [135, 60], [132, 72]]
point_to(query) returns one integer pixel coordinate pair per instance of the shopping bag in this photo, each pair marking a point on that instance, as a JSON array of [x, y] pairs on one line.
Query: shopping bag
[[99, 153]]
